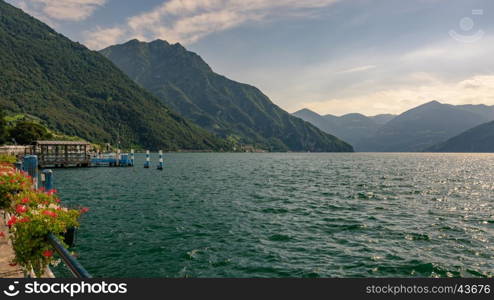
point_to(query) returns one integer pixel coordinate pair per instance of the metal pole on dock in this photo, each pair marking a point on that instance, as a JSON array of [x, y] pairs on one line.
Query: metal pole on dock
[[47, 179], [117, 163], [131, 157], [160, 164], [30, 165], [147, 163]]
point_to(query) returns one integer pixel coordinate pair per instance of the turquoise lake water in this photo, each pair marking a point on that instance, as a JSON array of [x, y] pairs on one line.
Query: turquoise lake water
[[287, 215]]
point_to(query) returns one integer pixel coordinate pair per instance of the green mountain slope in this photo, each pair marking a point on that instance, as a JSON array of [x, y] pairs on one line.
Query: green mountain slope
[[183, 81], [79, 92], [477, 139]]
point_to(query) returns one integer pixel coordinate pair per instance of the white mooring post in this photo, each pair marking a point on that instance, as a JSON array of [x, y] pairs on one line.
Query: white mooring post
[[147, 163], [160, 165]]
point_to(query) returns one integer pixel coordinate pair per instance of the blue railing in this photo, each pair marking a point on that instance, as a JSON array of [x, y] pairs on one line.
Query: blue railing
[[74, 266], [30, 165]]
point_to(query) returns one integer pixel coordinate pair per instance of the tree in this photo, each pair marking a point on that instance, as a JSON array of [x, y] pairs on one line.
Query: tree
[[3, 128], [25, 133]]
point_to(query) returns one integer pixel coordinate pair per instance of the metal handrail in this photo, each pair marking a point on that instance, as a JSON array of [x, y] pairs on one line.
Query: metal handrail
[[74, 266]]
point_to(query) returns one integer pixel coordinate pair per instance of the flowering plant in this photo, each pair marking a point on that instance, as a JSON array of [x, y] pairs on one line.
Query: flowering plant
[[35, 214], [11, 182]]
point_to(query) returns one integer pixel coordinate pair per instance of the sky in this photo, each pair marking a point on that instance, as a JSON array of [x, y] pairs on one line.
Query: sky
[[331, 56]]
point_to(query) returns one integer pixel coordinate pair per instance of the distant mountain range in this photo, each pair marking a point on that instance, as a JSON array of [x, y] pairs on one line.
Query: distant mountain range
[[239, 112], [352, 128], [415, 130], [477, 139], [79, 92]]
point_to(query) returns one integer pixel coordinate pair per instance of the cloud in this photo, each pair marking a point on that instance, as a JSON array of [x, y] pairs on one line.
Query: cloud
[[187, 21], [446, 70], [477, 89], [51, 11], [106, 36], [358, 69]]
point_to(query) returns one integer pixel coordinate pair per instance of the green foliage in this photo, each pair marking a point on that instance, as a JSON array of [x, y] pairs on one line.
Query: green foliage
[[3, 128], [7, 159], [183, 81], [25, 133], [79, 92]]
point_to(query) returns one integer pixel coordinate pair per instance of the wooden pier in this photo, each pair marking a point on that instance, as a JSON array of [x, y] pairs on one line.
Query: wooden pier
[[61, 153]]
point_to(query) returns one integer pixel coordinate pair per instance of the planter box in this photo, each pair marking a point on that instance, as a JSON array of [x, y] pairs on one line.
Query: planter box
[[69, 237]]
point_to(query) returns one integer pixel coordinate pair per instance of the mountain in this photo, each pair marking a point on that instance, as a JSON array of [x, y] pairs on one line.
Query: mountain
[[315, 119], [383, 119], [414, 130], [477, 139], [79, 92], [351, 127], [424, 126], [236, 111]]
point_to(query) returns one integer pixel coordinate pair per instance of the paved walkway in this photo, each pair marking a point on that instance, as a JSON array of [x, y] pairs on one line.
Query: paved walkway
[[7, 254]]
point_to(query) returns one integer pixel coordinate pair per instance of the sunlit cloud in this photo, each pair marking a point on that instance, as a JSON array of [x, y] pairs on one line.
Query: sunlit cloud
[[474, 90], [187, 21], [107, 36], [51, 11], [358, 69]]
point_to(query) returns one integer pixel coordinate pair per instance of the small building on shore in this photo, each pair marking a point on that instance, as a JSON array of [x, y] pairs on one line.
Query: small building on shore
[[61, 153]]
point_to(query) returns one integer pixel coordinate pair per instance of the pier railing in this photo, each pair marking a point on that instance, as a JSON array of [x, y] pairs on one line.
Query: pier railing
[[72, 264], [30, 165]]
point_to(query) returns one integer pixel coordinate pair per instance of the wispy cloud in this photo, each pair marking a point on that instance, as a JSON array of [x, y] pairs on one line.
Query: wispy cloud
[[51, 11], [358, 69], [187, 21]]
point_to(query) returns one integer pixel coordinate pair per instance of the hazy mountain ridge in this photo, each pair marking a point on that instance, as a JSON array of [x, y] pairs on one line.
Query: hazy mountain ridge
[[183, 81], [350, 127], [414, 130]]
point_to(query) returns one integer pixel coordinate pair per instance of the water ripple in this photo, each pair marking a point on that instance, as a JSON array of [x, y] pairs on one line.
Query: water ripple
[[288, 215]]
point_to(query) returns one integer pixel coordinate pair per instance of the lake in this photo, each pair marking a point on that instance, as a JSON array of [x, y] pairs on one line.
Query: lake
[[287, 215]]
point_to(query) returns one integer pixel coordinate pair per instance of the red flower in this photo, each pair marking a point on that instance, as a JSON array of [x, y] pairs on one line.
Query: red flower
[[49, 213], [84, 210], [12, 180], [20, 209], [57, 200], [12, 221], [51, 192], [48, 253], [42, 189], [25, 200], [24, 220]]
